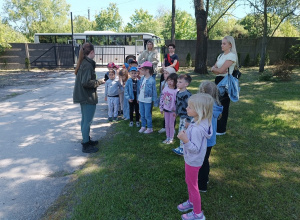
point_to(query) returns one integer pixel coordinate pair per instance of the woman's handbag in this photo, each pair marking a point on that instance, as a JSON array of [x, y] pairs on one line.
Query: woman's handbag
[[236, 73], [176, 67]]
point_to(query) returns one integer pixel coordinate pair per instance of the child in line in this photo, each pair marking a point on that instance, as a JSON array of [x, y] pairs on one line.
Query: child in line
[[112, 87], [200, 107], [132, 89], [110, 66], [182, 97], [146, 96], [168, 107], [166, 71], [211, 89], [123, 74]]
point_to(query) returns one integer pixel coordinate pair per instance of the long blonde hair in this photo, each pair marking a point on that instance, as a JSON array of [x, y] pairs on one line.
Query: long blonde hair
[[84, 51], [210, 88], [230, 40], [203, 105]]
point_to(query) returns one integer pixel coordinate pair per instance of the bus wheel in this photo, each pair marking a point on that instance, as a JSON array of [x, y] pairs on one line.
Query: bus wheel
[[130, 57]]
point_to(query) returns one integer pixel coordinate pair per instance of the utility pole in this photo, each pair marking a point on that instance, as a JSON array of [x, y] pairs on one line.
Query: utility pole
[[89, 14], [72, 39]]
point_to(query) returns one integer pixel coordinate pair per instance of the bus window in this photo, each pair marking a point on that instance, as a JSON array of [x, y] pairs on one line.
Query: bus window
[[97, 40], [47, 39], [116, 40], [63, 39], [130, 39]]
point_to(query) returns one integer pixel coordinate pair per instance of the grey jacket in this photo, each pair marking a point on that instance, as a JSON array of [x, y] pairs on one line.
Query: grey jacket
[[85, 89]]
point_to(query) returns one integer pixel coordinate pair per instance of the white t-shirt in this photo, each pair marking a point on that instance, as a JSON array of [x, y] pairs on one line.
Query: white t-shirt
[[142, 93], [221, 60]]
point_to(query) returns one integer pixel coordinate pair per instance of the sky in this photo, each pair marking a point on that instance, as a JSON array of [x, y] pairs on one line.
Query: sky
[[127, 7]]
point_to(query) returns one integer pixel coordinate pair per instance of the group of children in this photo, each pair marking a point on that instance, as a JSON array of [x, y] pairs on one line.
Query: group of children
[[198, 115]]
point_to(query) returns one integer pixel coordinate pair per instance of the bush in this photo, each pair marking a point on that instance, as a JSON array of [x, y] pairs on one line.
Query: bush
[[247, 60], [265, 76], [188, 60], [283, 71], [257, 59], [267, 60], [293, 54], [27, 63]]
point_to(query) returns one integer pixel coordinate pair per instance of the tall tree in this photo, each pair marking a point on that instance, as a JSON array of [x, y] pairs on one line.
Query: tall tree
[[82, 24], [173, 21], [109, 19], [201, 14], [32, 16], [142, 21], [284, 9]]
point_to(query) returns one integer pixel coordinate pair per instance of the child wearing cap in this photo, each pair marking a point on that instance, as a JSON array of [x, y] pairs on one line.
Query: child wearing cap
[[112, 88], [147, 95], [132, 89], [110, 66]]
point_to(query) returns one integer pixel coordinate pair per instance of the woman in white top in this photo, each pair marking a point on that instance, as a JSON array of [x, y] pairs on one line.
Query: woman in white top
[[225, 62], [151, 55]]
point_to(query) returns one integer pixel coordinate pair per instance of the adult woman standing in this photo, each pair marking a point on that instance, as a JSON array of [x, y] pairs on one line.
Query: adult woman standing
[[225, 62], [151, 55], [85, 93], [173, 58]]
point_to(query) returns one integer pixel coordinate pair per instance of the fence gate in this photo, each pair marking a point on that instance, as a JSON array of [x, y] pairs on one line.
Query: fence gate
[[104, 55], [56, 56]]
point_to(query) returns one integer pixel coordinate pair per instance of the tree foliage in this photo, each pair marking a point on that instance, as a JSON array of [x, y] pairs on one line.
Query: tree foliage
[[185, 25], [82, 24], [142, 21], [37, 16], [109, 19]]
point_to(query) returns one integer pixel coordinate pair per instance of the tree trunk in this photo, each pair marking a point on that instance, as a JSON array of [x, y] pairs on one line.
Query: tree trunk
[[264, 40], [173, 21], [201, 45]]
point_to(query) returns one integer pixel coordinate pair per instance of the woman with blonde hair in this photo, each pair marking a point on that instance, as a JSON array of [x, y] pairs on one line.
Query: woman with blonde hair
[[151, 55], [225, 64], [85, 93]]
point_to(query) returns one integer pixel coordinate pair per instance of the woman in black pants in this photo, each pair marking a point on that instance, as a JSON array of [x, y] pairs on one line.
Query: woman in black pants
[[225, 62]]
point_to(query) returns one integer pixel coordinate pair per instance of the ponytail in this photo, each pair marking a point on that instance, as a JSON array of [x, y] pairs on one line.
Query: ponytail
[[84, 51]]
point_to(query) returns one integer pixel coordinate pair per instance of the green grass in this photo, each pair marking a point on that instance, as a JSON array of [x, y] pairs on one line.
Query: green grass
[[254, 167]]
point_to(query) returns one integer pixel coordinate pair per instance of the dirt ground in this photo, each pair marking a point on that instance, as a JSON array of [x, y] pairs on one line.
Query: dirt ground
[[13, 83]]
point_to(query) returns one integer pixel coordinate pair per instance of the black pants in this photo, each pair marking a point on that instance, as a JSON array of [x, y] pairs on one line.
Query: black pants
[[134, 107], [204, 171], [225, 101]]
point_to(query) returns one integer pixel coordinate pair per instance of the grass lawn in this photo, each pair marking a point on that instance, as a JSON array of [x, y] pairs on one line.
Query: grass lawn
[[255, 167]]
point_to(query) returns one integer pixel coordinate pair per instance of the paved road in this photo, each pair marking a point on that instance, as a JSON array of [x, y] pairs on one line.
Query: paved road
[[39, 144]]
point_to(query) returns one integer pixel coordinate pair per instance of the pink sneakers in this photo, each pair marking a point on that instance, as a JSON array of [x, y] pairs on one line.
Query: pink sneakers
[[148, 131]]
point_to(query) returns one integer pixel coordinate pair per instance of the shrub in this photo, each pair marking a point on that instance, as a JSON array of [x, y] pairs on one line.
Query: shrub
[[247, 60], [283, 71], [27, 63], [293, 54], [267, 60], [257, 59], [265, 76], [188, 60]]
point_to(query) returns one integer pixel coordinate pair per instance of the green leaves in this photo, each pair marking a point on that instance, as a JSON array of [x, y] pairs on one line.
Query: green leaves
[[109, 19]]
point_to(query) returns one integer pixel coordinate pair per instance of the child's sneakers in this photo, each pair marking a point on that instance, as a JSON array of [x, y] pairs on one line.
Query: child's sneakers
[[192, 216], [148, 131], [183, 207], [178, 151], [166, 141], [110, 119], [138, 124], [162, 130], [131, 124], [142, 130], [170, 141]]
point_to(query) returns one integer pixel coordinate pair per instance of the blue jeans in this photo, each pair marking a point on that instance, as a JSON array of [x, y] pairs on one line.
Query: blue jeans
[[87, 115], [146, 115]]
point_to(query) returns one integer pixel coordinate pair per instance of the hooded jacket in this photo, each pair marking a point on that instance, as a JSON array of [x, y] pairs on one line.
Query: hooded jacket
[[194, 151], [85, 89], [217, 110]]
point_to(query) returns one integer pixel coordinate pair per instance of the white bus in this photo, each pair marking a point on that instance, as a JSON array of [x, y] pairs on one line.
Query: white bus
[[109, 46]]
